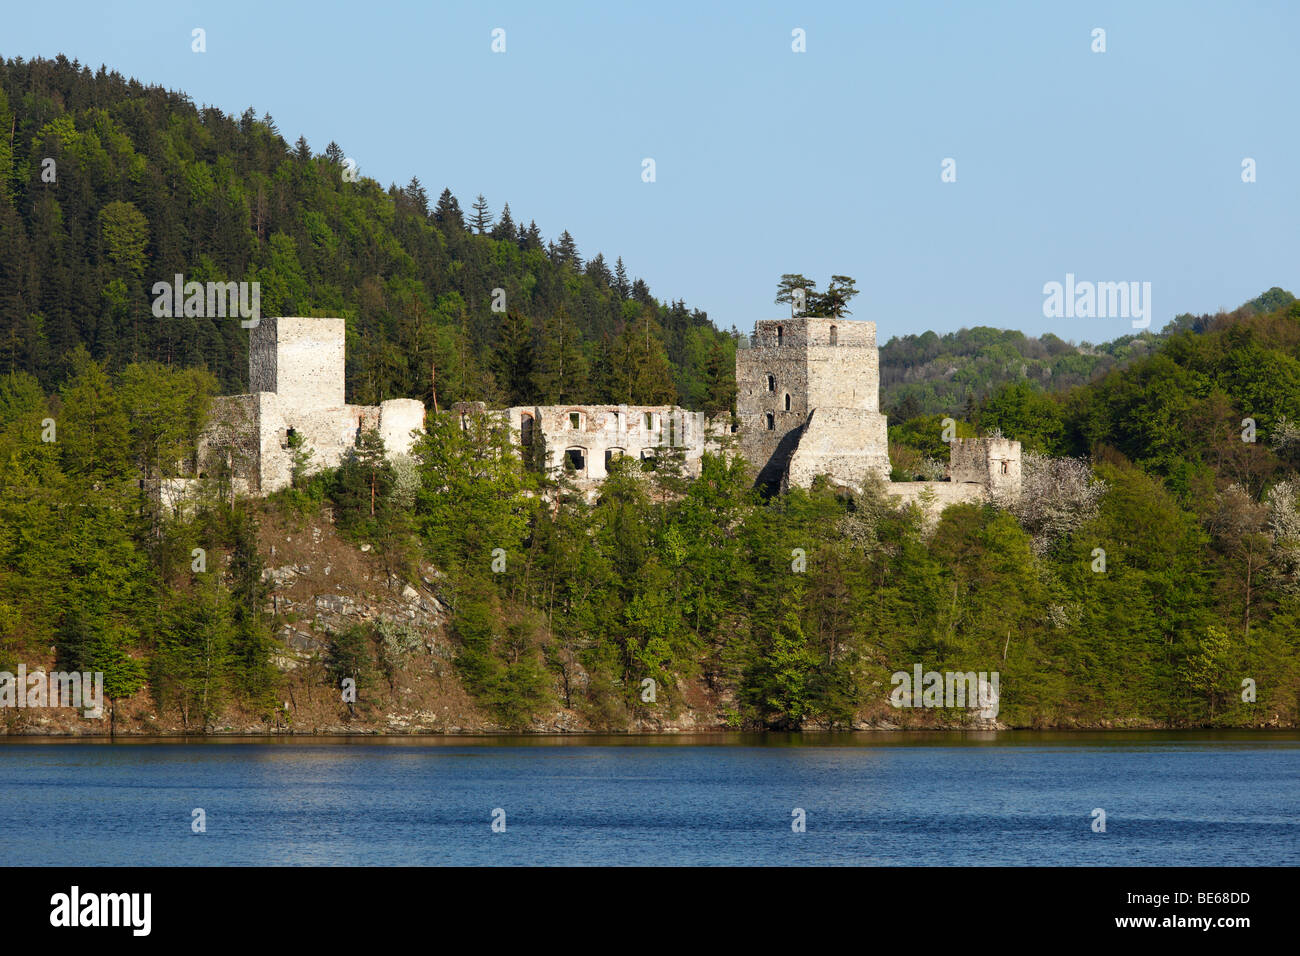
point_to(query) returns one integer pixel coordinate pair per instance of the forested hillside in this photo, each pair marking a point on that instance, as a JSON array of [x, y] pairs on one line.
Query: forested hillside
[[144, 185], [951, 374], [1148, 575]]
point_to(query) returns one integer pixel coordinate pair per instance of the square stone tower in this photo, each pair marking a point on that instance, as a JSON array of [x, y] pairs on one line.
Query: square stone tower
[[300, 359], [808, 401], [991, 462]]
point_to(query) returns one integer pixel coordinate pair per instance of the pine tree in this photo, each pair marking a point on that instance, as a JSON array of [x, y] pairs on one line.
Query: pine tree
[[638, 372], [482, 218], [334, 153], [566, 251], [530, 238], [560, 372], [512, 359], [596, 269], [504, 230], [719, 380], [417, 196], [447, 214], [834, 302], [790, 284], [621, 284]]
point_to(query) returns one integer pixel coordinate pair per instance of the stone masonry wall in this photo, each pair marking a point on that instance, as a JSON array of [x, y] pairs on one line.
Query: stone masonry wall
[[765, 374], [601, 430], [300, 359], [849, 444], [821, 364], [295, 367], [993, 462]]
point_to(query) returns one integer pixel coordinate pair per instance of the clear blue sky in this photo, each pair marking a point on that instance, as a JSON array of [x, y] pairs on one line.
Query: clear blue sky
[[1115, 166]]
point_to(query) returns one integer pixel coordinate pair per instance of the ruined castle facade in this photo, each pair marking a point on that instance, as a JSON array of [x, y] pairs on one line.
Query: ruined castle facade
[[295, 376], [582, 440], [807, 404]]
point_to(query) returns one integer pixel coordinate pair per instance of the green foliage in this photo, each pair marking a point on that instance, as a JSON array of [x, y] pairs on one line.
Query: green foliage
[[151, 185]]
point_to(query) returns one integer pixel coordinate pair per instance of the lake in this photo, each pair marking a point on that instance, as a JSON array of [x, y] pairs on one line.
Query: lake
[[1011, 798]]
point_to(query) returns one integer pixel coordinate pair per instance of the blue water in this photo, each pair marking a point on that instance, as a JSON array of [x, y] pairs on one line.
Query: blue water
[[905, 799]]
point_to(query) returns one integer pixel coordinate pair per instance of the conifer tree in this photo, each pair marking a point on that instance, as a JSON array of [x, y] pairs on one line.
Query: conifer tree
[[482, 218], [621, 284], [512, 359], [566, 251], [504, 230], [447, 214], [560, 372]]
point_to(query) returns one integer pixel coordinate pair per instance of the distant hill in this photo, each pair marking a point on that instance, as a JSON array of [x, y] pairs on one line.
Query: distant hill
[[144, 185], [951, 374]]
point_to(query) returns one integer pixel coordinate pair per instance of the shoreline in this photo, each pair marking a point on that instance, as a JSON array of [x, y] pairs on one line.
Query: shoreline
[[732, 737]]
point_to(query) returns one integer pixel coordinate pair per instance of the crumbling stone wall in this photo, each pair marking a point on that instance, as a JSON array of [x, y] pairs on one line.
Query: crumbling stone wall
[[848, 444], [826, 366], [300, 360], [992, 462], [295, 370], [831, 423], [600, 433]]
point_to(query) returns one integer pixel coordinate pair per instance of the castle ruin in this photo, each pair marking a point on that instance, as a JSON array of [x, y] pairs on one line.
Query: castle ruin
[[807, 404], [295, 377], [807, 398]]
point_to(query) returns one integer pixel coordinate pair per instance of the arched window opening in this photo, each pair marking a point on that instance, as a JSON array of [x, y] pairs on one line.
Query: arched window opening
[[780, 335], [835, 336], [787, 401], [575, 459], [771, 383], [771, 422]]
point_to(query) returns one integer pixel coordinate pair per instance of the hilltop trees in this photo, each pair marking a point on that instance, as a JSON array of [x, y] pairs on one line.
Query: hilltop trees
[[833, 303]]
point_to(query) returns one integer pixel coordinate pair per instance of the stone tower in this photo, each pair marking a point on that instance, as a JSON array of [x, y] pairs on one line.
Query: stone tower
[[300, 359], [808, 402], [991, 462]]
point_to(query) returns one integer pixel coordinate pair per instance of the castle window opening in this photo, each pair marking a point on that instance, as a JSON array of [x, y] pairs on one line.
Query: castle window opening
[[672, 430], [575, 420], [787, 401], [611, 455], [576, 459], [1006, 467], [780, 335], [771, 383], [649, 421], [835, 336], [648, 459], [771, 422], [526, 430]]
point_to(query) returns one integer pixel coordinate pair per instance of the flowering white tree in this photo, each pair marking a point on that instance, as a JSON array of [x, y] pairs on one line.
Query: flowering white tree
[[1056, 496]]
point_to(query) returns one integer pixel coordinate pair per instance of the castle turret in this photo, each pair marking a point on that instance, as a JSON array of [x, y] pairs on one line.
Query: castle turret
[[991, 462], [808, 401]]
